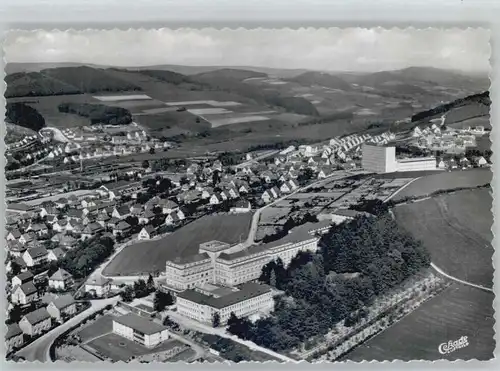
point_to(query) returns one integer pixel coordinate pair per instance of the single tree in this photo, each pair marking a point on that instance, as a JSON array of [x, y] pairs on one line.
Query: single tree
[[127, 294], [150, 283], [216, 320], [145, 164]]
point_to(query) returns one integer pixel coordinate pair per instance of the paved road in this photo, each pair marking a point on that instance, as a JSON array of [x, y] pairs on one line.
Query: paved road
[[39, 349]]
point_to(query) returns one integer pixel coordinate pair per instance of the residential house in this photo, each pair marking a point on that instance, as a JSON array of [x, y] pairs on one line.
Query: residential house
[[91, 230], [167, 206], [61, 280], [285, 188], [267, 196], [16, 248], [14, 338], [172, 219], [22, 278], [38, 229], [62, 307], [55, 254], [275, 192], [13, 235], [24, 294], [35, 256], [36, 322], [60, 226], [241, 206], [121, 212], [64, 240], [27, 238], [98, 286], [146, 217], [216, 199], [121, 229], [146, 233]]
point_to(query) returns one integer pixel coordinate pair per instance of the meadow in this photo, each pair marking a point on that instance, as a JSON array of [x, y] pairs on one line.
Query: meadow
[[151, 256]]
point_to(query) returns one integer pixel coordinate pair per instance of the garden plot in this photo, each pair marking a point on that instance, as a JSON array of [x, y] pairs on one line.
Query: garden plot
[[237, 120], [274, 215]]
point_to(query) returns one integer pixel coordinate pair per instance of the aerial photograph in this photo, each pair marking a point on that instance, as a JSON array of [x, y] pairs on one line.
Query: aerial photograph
[[219, 195]]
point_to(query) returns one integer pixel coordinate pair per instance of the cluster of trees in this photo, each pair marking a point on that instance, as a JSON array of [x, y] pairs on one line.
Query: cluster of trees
[[288, 226], [83, 259], [98, 113], [140, 289], [162, 300], [358, 260], [24, 115]]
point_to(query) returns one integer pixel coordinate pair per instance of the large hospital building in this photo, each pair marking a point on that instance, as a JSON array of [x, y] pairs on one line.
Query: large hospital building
[[382, 159]]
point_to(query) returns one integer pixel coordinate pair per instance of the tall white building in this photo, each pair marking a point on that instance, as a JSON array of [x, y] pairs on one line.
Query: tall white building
[[379, 159]]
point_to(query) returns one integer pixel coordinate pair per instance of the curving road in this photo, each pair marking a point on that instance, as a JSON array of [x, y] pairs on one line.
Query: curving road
[[39, 349]]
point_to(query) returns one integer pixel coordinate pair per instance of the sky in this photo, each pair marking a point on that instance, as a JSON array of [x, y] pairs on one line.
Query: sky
[[335, 49]]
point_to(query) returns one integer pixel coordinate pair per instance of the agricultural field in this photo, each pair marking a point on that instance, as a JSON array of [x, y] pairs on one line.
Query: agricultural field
[[151, 256], [446, 180], [456, 229], [458, 311], [99, 327]]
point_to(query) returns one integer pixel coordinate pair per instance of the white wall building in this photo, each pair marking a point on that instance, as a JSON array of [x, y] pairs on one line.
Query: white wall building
[[379, 159], [140, 330], [250, 299], [417, 164]]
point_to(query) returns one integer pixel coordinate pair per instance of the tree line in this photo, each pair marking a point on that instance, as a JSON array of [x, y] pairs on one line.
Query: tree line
[[357, 261]]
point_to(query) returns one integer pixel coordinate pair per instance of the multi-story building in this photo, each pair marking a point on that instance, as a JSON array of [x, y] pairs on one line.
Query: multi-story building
[[231, 265], [14, 337], [61, 280], [417, 164], [24, 294], [63, 306], [140, 330], [35, 256], [379, 159], [201, 305], [186, 273]]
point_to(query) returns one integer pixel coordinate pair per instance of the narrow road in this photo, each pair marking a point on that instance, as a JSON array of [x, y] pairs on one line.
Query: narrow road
[[400, 189], [40, 348], [440, 271]]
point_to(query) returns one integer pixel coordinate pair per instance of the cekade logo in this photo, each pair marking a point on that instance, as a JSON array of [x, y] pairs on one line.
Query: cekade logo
[[451, 346]]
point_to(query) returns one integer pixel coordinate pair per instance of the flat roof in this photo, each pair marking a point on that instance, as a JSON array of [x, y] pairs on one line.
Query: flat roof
[[140, 324], [417, 159], [247, 291]]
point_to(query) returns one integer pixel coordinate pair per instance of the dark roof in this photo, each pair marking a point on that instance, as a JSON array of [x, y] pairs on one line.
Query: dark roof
[[25, 276], [19, 206], [37, 316], [28, 288], [58, 252], [63, 301], [252, 250], [36, 252], [122, 225], [247, 291], [140, 324], [13, 330]]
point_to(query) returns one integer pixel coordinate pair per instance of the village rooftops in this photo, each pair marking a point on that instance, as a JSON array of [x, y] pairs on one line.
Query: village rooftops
[[37, 252], [19, 207], [37, 316], [13, 330], [98, 281], [25, 276], [140, 324], [180, 260], [247, 291]]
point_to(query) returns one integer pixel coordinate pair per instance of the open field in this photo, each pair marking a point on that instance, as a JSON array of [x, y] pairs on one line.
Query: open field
[[119, 348], [97, 328], [151, 256], [456, 229], [446, 180], [458, 311]]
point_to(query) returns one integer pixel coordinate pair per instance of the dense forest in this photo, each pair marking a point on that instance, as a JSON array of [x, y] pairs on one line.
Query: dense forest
[[358, 260], [63, 81], [98, 113], [23, 115]]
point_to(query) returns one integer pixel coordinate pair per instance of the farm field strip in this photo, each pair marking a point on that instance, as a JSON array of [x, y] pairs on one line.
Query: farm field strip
[[208, 102]]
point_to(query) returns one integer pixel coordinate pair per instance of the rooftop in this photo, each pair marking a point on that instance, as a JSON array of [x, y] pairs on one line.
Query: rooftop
[[37, 316], [63, 301], [28, 288], [60, 275], [190, 259], [140, 324], [247, 291], [13, 330]]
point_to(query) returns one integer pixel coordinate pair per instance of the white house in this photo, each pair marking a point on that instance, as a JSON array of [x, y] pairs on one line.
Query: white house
[[24, 294], [61, 280], [35, 256], [36, 322], [98, 286], [146, 233], [242, 206]]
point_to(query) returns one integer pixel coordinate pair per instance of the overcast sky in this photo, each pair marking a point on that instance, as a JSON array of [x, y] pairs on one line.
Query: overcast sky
[[352, 49]]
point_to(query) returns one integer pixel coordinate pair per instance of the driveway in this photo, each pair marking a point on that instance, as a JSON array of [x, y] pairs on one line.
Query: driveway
[[39, 349]]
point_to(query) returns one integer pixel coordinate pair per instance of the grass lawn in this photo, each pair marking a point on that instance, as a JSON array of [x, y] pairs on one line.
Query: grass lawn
[[456, 229], [458, 311], [99, 327], [446, 180], [151, 256]]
